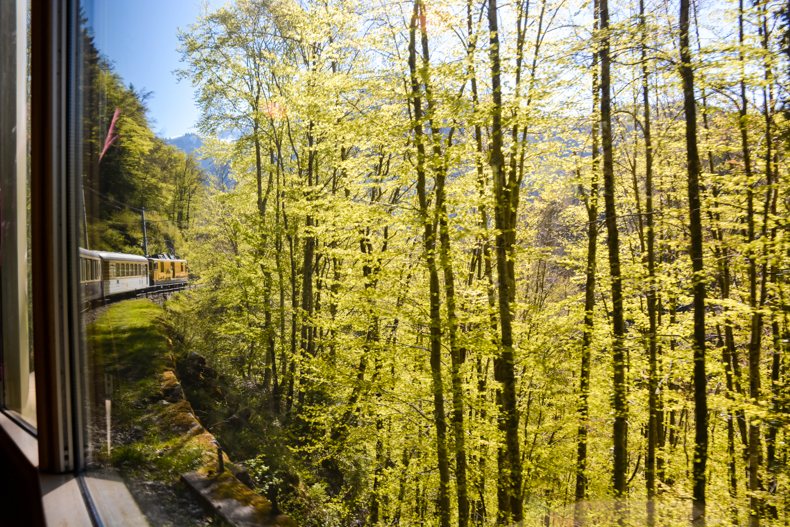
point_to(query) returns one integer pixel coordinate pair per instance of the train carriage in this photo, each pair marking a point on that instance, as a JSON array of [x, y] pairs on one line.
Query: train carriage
[[164, 269], [90, 275], [123, 273]]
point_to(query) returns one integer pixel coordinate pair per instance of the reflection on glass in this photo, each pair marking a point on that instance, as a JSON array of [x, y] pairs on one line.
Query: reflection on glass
[[16, 362], [135, 204]]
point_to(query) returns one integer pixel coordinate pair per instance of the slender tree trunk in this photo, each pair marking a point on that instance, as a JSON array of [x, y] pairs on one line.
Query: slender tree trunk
[[655, 410], [278, 247], [481, 268], [457, 360], [695, 228], [258, 164], [620, 401], [271, 343], [439, 163], [589, 300], [294, 277], [429, 243], [509, 484], [755, 351], [754, 447]]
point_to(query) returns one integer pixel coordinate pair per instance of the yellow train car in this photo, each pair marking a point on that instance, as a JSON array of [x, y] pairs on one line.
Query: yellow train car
[[167, 270]]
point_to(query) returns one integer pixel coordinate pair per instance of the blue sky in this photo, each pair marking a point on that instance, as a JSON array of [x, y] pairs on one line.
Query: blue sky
[[140, 39]]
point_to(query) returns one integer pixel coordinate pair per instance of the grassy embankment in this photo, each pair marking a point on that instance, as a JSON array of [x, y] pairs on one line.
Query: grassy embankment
[[156, 437]]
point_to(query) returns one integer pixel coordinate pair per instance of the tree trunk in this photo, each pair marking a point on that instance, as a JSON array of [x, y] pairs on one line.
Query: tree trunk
[[620, 402], [589, 300], [695, 229], [429, 244], [509, 484], [655, 410]]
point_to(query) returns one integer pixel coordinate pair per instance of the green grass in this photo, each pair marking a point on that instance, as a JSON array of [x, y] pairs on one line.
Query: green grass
[[155, 435], [151, 436], [128, 338]]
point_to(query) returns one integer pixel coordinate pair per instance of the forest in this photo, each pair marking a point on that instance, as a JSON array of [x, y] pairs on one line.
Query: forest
[[489, 263], [128, 169]]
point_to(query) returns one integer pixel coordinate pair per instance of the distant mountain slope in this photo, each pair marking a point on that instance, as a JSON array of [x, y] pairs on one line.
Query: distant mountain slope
[[190, 144]]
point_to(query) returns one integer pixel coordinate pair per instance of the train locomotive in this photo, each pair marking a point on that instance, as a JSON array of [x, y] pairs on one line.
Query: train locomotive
[[109, 275]]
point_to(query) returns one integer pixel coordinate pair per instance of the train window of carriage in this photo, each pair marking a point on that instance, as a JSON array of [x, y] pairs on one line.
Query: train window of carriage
[[17, 378]]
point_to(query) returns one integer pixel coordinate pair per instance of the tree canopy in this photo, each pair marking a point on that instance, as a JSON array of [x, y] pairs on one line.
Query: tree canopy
[[489, 263]]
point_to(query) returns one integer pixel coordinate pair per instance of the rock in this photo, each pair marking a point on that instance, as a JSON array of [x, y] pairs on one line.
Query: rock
[[243, 475]]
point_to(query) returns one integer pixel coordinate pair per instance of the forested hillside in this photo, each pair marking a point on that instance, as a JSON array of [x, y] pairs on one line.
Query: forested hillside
[[128, 169], [498, 262]]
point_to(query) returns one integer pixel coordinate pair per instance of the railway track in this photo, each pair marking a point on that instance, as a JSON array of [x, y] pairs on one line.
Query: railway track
[[163, 290]]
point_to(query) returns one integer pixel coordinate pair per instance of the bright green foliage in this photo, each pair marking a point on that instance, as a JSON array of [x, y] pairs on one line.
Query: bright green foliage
[[313, 296]]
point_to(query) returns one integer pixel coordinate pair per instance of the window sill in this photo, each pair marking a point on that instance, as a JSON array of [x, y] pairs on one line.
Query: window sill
[[25, 442], [66, 500]]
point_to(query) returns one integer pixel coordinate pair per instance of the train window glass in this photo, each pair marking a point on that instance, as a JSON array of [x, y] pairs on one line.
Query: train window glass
[[128, 176], [17, 378]]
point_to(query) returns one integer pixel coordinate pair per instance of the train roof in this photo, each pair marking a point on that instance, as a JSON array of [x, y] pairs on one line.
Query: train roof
[[122, 257], [166, 257], [89, 254]]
